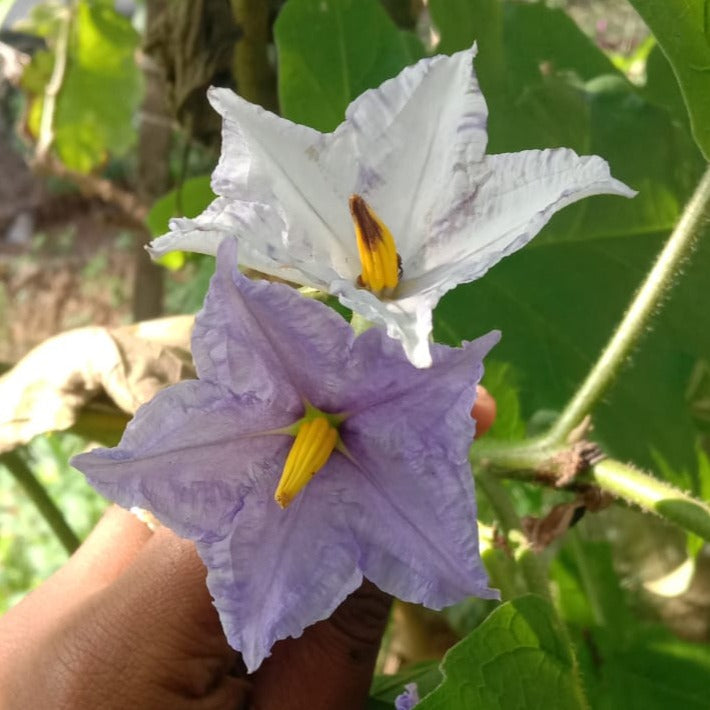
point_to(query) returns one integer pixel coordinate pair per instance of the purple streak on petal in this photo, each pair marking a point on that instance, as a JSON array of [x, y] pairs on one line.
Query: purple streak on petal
[[185, 454], [408, 699]]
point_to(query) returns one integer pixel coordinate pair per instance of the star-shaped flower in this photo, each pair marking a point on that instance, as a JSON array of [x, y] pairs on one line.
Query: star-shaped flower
[[286, 390], [408, 166]]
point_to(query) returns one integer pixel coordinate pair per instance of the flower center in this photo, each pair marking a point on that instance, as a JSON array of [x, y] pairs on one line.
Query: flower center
[[381, 265], [316, 437]]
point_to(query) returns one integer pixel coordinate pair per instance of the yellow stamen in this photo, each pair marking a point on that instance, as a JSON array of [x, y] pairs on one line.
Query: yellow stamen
[[315, 441], [375, 244]]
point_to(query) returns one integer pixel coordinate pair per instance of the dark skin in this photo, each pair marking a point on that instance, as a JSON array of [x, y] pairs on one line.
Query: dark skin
[[128, 623]]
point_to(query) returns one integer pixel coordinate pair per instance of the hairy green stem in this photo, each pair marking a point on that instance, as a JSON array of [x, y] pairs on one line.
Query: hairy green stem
[[642, 308], [621, 480], [653, 495], [47, 508]]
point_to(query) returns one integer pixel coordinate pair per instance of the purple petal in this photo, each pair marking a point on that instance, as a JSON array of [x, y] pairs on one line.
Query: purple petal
[[417, 526], [186, 454], [278, 571], [408, 699], [265, 338]]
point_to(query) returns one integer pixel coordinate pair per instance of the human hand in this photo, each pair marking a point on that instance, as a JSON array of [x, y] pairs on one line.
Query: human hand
[[128, 623]]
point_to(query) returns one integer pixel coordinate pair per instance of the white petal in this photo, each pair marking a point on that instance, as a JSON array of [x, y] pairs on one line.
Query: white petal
[[261, 234], [407, 320], [417, 137], [512, 202], [304, 175]]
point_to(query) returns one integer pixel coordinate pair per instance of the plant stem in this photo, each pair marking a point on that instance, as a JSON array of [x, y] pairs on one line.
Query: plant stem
[[53, 87], [256, 80], [531, 566], [643, 306], [653, 495], [47, 508]]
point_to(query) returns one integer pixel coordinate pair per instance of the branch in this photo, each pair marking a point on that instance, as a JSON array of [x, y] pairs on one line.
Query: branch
[[256, 80], [47, 508], [653, 495], [51, 91], [555, 466]]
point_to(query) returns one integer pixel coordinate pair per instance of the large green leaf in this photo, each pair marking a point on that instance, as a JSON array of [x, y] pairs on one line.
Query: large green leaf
[[357, 48], [558, 300], [517, 658], [682, 28], [100, 90]]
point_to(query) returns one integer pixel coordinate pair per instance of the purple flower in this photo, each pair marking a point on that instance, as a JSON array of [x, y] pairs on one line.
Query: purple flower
[[394, 500], [408, 699]]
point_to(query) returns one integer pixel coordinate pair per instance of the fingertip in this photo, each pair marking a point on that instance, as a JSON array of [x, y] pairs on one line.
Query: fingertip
[[484, 411]]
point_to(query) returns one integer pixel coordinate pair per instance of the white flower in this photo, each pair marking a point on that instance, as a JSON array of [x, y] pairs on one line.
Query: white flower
[[414, 151]]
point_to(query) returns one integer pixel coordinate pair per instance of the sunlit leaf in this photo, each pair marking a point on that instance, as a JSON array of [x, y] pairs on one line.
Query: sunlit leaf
[[682, 28], [517, 658], [100, 89]]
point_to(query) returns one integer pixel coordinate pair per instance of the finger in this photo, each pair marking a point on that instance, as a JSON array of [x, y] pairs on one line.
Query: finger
[[484, 411], [331, 665], [110, 548], [158, 617]]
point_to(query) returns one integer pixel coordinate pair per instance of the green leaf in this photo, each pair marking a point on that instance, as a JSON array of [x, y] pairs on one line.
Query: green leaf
[[682, 28], [500, 380], [558, 300], [517, 658], [100, 90], [186, 200], [357, 48]]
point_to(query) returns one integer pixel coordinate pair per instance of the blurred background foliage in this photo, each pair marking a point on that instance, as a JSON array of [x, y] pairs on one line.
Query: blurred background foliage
[[106, 134]]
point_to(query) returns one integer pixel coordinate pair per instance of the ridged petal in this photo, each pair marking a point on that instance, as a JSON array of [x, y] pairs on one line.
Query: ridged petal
[[418, 138], [185, 455], [417, 527], [262, 337], [278, 571]]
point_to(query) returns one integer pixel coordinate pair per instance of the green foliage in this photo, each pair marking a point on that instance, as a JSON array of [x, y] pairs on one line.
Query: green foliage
[[537, 296], [625, 663], [101, 85], [29, 552], [517, 658], [186, 200], [358, 47], [682, 28]]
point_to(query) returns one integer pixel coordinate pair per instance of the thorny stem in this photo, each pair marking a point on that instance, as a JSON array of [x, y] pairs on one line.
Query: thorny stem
[[653, 495], [642, 308], [47, 508]]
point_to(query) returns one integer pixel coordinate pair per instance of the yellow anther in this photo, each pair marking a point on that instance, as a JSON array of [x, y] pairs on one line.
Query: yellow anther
[[314, 443], [378, 254]]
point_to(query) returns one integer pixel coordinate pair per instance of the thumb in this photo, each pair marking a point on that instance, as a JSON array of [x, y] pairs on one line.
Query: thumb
[[331, 665]]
